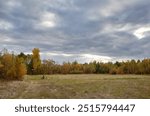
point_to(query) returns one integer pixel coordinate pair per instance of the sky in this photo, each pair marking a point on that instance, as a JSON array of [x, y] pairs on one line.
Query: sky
[[82, 30]]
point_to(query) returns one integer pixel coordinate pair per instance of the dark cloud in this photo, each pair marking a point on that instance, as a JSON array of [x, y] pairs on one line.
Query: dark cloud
[[77, 27]]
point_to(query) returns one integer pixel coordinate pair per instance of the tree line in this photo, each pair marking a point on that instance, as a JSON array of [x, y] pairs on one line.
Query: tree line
[[14, 66]]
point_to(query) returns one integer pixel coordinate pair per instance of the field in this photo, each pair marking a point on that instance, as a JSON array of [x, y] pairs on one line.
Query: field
[[78, 86]]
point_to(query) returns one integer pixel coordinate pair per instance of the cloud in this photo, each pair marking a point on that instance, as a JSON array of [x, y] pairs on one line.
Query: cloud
[[48, 20], [111, 7], [4, 25], [141, 32], [82, 30], [82, 58]]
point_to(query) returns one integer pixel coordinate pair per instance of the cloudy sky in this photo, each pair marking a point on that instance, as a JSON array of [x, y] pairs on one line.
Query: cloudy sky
[[82, 30]]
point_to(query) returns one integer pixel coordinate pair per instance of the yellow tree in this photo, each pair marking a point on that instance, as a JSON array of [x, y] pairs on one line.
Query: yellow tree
[[65, 68], [1, 69], [1, 66], [8, 69], [36, 61], [11, 67], [20, 68]]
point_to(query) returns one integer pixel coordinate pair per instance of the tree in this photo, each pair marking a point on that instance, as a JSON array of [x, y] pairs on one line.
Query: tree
[[36, 61], [8, 62], [65, 68], [97, 67], [47, 67], [11, 67], [145, 66], [88, 68], [76, 68], [20, 68]]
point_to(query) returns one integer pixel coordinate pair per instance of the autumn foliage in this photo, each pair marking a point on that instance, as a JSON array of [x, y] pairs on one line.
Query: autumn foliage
[[11, 67], [15, 66]]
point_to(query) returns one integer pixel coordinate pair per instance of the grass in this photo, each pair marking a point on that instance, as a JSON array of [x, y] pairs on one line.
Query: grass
[[78, 86]]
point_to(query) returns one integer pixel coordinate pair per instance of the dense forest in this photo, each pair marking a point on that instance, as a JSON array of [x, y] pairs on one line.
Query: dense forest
[[14, 66]]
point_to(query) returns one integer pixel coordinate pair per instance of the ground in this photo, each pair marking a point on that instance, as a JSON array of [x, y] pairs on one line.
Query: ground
[[78, 86]]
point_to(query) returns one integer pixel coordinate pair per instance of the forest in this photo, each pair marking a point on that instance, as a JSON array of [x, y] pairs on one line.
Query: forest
[[15, 66]]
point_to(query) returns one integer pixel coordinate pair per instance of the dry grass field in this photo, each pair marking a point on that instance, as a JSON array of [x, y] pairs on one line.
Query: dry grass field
[[77, 86]]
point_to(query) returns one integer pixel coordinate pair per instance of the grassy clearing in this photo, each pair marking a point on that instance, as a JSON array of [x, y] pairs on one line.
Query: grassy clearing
[[78, 86]]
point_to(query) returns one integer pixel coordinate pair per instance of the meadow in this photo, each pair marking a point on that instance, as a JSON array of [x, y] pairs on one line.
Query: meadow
[[79, 86]]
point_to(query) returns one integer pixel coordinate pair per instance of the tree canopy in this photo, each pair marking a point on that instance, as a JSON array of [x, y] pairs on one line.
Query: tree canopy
[[15, 66]]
